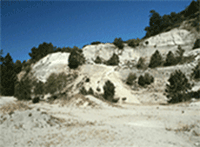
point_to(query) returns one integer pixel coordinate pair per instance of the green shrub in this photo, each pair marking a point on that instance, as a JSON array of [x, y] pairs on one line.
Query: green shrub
[[170, 60], [98, 60], [109, 90], [36, 100], [96, 43], [131, 77], [133, 42], [141, 63], [118, 42], [156, 60], [23, 89], [83, 91], [90, 91], [179, 55], [76, 58], [40, 52], [141, 80], [114, 60], [148, 78], [50, 85], [187, 59], [56, 83], [39, 88], [65, 49], [177, 89], [196, 72], [196, 44], [27, 69]]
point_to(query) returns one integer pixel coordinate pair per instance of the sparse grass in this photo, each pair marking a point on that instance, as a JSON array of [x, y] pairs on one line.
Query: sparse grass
[[182, 128], [11, 107]]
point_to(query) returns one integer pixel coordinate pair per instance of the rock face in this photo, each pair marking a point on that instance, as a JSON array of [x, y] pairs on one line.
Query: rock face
[[52, 63], [105, 52], [173, 37], [99, 73]]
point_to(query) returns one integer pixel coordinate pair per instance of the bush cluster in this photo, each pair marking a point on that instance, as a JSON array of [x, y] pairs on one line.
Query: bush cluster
[[96, 43], [133, 42], [131, 78], [36, 100], [178, 87], [23, 89], [170, 60], [141, 63], [114, 60], [109, 91], [158, 24], [85, 92], [179, 58], [147, 79], [196, 72], [118, 42], [55, 83], [76, 58], [98, 60], [156, 60], [196, 44]]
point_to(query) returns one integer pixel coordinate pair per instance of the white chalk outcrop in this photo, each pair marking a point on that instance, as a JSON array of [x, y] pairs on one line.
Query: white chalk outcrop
[[173, 37], [52, 63]]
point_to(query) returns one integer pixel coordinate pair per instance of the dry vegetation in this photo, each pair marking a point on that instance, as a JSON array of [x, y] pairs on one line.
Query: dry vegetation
[[11, 107]]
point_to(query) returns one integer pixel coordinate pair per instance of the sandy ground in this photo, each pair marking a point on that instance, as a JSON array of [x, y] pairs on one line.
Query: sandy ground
[[98, 123]]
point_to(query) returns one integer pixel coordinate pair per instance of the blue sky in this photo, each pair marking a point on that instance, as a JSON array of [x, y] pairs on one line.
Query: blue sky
[[26, 24]]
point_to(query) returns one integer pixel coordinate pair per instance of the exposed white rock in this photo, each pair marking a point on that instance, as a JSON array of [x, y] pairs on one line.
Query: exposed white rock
[[173, 37], [52, 63], [105, 51], [98, 75]]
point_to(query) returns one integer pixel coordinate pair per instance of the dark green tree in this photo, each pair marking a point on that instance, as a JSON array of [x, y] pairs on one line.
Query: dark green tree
[[178, 87], [154, 24], [55, 83], [98, 60], [18, 66], [118, 42], [109, 90], [40, 52], [39, 88], [83, 91], [166, 22], [192, 8], [50, 85], [90, 91], [131, 78], [95, 43], [133, 42], [8, 76], [76, 58], [141, 63], [114, 60], [23, 89], [196, 72], [148, 78], [179, 54], [156, 60], [170, 60], [141, 80], [196, 44]]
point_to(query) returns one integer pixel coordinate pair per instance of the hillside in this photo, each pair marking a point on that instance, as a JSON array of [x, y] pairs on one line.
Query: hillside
[[66, 97]]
